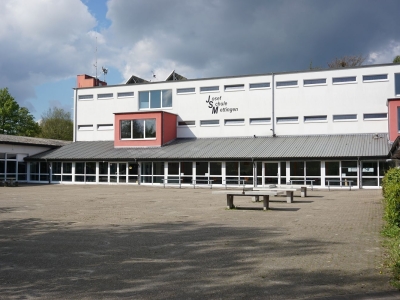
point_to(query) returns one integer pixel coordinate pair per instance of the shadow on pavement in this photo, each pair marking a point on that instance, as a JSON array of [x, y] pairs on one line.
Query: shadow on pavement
[[179, 260]]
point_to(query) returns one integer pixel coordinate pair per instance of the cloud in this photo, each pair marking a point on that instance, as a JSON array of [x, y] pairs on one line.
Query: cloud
[[221, 37], [385, 54], [48, 41], [43, 41]]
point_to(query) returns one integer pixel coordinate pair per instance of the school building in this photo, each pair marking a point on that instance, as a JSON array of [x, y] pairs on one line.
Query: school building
[[336, 125]]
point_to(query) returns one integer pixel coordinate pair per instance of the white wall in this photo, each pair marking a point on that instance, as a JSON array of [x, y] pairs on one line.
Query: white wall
[[327, 99], [26, 150]]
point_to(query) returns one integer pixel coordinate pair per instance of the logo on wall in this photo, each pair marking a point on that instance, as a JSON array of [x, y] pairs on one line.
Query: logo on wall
[[217, 104]]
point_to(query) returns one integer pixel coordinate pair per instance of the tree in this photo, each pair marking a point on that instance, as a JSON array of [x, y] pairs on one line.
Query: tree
[[15, 120], [56, 124], [347, 61], [396, 60]]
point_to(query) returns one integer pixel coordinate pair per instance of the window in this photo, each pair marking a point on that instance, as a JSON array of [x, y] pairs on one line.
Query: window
[[186, 123], [314, 81], [186, 91], [315, 118], [349, 79], [261, 85], [138, 129], [85, 172], [155, 99], [256, 121], [397, 84], [286, 83], [287, 120], [125, 94], [209, 89], [105, 96], [378, 77], [209, 122], [348, 117], [105, 126], [234, 87], [85, 127], [85, 97], [375, 116], [234, 122]]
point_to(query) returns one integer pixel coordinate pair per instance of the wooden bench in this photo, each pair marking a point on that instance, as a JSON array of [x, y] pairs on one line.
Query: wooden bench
[[231, 194], [10, 182]]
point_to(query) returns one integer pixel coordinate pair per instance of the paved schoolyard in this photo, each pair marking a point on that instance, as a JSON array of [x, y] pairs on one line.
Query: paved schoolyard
[[142, 242]]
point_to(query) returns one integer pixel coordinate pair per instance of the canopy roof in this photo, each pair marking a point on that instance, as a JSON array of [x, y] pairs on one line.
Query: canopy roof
[[351, 146]]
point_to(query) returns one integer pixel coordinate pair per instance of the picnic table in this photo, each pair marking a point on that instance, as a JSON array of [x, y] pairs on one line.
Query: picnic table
[[230, 194], [208, 181], [302, 181], [288, 191], [10, 181], [168, 180]]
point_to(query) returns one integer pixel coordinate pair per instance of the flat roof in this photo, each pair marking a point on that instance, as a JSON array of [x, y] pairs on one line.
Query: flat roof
[[24, 140]]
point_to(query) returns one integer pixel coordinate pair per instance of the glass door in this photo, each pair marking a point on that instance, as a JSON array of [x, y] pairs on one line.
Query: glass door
[[122, 172], [113, 172], [271, 173]]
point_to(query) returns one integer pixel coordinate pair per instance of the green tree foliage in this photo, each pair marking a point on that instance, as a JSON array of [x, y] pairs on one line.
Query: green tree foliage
[[396, 60], [57, 124], [347, 61], [15, 120]]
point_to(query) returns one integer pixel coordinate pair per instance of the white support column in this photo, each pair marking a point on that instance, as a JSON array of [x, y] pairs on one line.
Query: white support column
[[322, 173]]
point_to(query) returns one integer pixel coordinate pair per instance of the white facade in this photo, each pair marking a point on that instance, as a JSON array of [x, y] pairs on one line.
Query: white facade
[[339, 101]]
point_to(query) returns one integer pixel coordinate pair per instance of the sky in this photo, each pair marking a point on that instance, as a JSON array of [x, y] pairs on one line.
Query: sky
[[45, 44]]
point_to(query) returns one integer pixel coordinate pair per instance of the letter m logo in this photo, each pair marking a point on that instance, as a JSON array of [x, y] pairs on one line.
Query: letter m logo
[[215, 110]]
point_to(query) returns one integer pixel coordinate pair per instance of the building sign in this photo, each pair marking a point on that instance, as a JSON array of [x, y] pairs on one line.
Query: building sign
[[218, 105]]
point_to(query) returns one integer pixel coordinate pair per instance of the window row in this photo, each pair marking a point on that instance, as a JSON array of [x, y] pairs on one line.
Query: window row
[[319, 173], [335, 80], [287, 83], [293, 119], [335, 118], [105, 96], [159, 99], [99, 127]]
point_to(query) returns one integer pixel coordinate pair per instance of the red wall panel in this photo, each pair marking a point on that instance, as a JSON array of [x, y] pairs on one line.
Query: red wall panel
[[165, 129], [392, 116]]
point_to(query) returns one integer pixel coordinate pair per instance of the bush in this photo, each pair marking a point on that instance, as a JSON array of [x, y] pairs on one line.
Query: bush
[[391, 194]]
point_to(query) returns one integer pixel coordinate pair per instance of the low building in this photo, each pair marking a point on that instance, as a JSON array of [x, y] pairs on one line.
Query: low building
[[14, 150]]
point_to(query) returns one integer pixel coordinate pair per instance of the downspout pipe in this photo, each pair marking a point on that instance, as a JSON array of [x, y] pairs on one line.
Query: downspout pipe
[[273, 105], [75, 115]]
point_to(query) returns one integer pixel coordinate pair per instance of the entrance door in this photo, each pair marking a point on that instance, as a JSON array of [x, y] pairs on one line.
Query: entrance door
[[122, 172], [271, 173]]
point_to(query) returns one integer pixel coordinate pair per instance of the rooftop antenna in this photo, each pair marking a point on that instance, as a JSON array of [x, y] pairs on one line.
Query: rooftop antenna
[[95, 64], [105, 71]]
